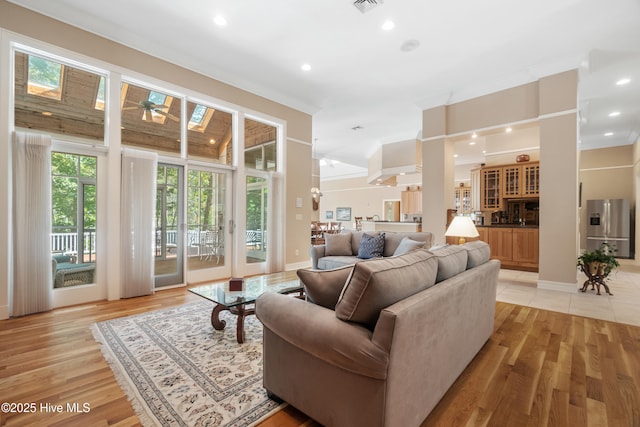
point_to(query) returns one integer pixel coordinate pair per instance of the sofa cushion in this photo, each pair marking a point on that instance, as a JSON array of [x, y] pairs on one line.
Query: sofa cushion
[[376, 284], [62, 258], [393, 240], [331, 262], [452, 260], [337, 244], [407, 245], [323, 287], [478, 253], [356, 237], [371, 246]]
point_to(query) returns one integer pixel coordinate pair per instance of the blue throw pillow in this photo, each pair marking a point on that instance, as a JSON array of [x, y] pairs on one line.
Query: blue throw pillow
[[371, 246]]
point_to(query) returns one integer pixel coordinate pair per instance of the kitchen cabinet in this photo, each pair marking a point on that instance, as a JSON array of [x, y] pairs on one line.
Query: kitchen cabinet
[[522, 180], [516, 247], [525, 247], [483, 234], [501, 243], [463, 200], [411, 201], [491, 181]]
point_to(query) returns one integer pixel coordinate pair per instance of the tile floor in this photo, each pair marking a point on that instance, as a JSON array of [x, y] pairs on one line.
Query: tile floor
[[519, 287]]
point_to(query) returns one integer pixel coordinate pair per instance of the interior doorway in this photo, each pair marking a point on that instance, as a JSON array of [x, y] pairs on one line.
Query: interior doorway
[[391, 210]]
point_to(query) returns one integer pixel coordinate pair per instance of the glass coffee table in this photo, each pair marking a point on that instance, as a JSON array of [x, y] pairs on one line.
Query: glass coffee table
[[237, 301]]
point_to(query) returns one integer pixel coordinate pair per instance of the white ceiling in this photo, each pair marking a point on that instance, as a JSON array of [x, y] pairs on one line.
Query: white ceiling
[[361, 77]]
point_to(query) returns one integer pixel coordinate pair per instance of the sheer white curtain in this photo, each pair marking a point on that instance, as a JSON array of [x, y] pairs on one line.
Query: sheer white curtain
[[32, 282], [138, 211]]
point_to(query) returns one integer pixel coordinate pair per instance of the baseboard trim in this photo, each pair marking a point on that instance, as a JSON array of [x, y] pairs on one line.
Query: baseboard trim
[[297, 265], [557, 286]]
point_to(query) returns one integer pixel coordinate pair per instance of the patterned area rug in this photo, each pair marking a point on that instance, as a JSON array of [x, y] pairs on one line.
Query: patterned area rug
[[179, 371]]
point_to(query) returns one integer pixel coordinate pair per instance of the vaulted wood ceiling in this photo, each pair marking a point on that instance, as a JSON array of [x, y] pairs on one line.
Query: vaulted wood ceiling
[[75, 114]]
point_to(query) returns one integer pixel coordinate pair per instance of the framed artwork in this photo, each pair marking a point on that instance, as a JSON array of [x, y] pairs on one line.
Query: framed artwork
[[343, 214], [328, 214]]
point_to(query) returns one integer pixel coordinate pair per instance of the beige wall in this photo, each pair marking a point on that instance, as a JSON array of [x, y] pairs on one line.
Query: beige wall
[[298, 124], [503, 147], [558, 102], [437, 186], [298, 185], [364, 199], [507, 106], [552, 102], [31, 24]]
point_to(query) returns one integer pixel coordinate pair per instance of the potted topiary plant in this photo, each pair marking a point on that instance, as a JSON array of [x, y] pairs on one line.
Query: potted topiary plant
[[597, 265]]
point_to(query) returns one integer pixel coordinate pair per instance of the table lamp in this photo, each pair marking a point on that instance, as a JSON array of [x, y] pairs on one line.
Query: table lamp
[[462, 227]]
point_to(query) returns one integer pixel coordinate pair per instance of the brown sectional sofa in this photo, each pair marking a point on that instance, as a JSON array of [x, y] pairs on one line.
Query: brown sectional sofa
[[342, 249], [380, 342]]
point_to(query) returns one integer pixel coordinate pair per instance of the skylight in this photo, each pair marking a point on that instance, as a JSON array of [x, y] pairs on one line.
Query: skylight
[[200, 118], [100, 95], [45, 78], [160, 100]]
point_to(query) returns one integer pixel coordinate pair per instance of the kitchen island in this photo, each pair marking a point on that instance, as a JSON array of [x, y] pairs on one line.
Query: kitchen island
[[394, 226]]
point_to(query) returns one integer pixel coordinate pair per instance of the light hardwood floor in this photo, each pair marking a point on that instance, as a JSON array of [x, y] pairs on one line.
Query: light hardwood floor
[[540, 368]]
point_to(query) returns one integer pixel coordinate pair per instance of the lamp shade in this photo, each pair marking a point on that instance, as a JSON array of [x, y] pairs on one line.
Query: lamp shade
[[462, 226]]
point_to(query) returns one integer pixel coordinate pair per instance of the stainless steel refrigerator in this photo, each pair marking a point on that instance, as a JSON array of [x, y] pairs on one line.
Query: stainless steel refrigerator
[[608, 221]]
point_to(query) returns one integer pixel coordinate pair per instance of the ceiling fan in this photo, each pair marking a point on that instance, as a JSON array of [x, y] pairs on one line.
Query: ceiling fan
[[148, 107]]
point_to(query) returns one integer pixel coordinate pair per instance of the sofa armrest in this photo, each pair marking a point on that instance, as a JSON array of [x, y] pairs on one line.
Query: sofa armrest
[[316, 330], [316, 252]]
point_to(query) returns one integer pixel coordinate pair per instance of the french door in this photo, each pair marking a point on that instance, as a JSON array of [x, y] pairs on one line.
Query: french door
[[209, 224], [259, 241], [168, 250], [76, 213]]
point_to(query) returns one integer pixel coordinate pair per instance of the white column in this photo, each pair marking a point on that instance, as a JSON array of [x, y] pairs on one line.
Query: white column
[[437, 186], [559, 213], [114, 166]]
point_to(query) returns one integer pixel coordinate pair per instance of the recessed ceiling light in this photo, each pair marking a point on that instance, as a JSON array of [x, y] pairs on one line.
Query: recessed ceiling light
[[47, 113], [388, 25], [623, 81], [475, 135], [220, 20], [608, 134], [305, 67], [484, 151], [614, 113], [410, 45], [509, 129], [455, 156], [472, 143], [212, 141]]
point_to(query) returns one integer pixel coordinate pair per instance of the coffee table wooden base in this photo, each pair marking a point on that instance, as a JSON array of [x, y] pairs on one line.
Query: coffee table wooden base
[[240, 311]]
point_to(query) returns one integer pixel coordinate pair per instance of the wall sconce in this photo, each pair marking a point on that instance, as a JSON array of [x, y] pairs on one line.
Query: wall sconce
[[315, 198]]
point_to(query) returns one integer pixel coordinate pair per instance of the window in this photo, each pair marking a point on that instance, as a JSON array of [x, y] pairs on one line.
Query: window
[[74, 211], [155, 104], [209, 134], [45, 78], [260, 145], [200, 118], [58, 99], [205, 217], [99, 105], [150, 119]]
